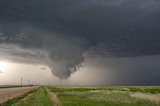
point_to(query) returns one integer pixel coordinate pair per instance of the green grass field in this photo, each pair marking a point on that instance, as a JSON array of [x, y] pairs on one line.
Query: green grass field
[[92, 96], [108, 96]]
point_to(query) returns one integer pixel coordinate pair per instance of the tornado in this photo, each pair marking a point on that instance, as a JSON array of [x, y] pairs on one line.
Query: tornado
[[62, 34]]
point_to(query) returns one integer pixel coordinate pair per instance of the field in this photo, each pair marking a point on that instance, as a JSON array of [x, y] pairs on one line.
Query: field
[[89, 96]]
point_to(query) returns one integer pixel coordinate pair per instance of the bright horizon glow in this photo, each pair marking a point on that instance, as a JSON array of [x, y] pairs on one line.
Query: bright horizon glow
[[3, 66]]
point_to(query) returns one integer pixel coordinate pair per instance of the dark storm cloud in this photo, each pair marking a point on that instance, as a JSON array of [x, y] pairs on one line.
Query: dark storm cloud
[[143, 70], [59, 32]]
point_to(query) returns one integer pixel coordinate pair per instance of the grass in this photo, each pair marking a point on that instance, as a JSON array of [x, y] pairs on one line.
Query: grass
[[91, 96], [38, 98], [104, 96], [150, 89]]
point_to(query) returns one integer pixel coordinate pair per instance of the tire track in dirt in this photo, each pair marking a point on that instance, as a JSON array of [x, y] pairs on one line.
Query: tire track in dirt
[[54, 98]]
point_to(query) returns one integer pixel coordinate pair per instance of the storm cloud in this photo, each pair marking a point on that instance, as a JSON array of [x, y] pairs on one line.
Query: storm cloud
[[62, 33]]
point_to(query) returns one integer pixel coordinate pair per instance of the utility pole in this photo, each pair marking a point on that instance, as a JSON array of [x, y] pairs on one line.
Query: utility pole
[[21, 81], [28, 82]]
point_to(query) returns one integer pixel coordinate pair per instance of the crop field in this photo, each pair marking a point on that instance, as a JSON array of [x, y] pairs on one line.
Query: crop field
[[89, 96]]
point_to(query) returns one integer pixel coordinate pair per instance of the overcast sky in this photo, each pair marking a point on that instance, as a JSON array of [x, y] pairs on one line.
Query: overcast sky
[[86, 42]]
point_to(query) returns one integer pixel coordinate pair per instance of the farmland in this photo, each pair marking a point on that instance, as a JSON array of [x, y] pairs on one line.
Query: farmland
[[90, 96]]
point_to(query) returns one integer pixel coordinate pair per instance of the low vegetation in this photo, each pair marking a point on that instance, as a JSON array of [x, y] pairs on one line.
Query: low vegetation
[[89, 96], [108, 96]]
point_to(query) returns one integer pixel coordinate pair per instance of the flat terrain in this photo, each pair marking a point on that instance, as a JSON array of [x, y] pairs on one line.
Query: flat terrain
[[107, 96], [10, 93], [90, 96]]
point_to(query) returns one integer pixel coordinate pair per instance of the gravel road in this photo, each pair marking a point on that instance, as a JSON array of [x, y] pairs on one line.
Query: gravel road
[[10, 93]]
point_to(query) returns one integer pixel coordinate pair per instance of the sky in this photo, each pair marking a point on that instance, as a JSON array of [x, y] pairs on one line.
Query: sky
[[86, 42]]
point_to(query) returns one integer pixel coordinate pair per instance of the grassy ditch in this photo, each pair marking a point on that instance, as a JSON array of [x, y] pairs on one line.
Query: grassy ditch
[[38, 98]]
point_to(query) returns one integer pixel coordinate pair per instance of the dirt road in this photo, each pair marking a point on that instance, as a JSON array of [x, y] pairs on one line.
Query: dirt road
[[10, 93]]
